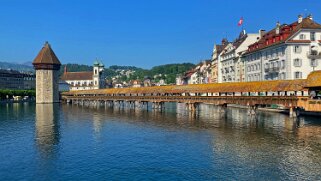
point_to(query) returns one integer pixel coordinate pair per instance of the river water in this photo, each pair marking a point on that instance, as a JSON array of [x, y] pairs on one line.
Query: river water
[[69, 142]]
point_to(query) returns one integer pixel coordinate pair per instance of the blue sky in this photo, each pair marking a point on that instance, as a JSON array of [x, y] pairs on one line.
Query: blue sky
[[142, 33]]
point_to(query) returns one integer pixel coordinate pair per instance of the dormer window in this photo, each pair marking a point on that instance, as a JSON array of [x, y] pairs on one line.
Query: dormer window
[[312, 36], [302, 37]]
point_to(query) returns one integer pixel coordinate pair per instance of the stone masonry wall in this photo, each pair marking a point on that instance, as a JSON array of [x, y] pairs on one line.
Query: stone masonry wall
[[47, 86]]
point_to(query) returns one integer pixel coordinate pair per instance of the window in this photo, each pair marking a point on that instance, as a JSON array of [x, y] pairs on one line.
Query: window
[[313, 63], [274, 53], [297, 62], [282, 64], [96, 72], [281, 76], [302, 37], [269, 55], [297, 49], [312, 36], [279, 52], [298, 75]]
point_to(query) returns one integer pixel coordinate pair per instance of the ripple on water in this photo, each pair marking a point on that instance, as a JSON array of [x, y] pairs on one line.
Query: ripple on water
[[49, 142]]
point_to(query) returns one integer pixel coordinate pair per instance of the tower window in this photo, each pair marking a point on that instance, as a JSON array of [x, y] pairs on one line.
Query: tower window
[[96, 72]]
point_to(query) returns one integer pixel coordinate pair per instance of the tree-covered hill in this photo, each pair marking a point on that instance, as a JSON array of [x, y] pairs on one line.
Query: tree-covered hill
[[167, 72]]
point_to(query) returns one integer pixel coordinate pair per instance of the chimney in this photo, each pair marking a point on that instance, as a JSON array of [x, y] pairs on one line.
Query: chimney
[[277, 29], [300, 18], [261, 33], [65, 70], [310, 17]]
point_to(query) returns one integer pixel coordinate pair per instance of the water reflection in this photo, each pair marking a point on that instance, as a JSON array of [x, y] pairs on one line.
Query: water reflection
[[47, 128], [270, 147]]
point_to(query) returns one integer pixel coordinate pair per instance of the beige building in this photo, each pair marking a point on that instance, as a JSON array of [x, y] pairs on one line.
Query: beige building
[[214, 64]]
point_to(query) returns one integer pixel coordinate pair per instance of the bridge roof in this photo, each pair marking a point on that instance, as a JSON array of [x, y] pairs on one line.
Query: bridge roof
[[263, 86], [314, 79]]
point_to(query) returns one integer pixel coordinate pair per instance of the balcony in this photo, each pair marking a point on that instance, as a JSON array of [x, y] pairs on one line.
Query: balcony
[[272, 69], [313, 54]]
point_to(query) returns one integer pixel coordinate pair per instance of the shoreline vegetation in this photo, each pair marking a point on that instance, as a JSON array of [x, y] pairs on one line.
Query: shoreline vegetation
[[8, 95]]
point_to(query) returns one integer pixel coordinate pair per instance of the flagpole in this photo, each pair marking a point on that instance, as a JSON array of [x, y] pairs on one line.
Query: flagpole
[[242, 24]]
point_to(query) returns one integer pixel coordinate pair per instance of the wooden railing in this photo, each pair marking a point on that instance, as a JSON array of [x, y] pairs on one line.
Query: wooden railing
[[286, 101]]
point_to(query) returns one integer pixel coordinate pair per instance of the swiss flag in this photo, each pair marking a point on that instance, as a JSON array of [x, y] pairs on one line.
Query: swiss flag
[[240, 22]]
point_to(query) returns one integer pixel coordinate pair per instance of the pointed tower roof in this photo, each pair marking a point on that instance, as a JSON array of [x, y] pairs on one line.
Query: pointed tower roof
[[46, 58]]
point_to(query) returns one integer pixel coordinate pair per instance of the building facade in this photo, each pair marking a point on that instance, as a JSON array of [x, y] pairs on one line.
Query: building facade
[[11, 79], [287, 52], [85, 80], [214, 60], [230, 64]]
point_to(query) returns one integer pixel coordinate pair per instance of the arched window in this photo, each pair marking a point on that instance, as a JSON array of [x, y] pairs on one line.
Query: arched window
[[95, 71]]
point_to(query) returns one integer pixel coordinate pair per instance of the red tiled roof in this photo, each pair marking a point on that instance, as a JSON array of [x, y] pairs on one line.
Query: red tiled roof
[[286, 32], [77, 76], [299, 41], [46, 56]]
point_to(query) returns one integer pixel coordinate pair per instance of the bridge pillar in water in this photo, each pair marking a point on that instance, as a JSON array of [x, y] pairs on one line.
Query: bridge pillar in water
[[158, 105], [192, 106]]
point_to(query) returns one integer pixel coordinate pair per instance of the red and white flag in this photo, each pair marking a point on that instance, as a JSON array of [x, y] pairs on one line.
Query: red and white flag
[[240, 22]]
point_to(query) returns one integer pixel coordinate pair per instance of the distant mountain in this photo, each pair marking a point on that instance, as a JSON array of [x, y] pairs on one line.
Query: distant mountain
[[27, 63], [17, 66]]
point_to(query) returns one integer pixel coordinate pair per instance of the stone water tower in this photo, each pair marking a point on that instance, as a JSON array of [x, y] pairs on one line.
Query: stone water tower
[[47, 67]]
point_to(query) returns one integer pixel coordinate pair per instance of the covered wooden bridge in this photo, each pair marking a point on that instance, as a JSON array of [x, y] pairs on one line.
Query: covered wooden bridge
[[290, 94]]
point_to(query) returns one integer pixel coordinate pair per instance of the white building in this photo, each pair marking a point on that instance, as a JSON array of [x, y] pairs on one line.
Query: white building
[[289, 51], [230, 65], [85, 80]]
